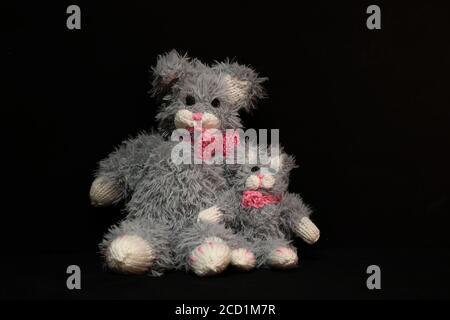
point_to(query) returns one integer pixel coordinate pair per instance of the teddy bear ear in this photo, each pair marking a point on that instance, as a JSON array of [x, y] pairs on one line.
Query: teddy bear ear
[[279, 160], [170, 67], [242, 84]]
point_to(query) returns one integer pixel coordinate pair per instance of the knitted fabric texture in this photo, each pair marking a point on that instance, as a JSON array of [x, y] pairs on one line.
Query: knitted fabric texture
[[206, 140], [307, 230], [237, 89], [258, 199], [104, 192]]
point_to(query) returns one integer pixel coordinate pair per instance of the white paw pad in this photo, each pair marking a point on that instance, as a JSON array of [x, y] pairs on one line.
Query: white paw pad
[[243, 259], [283, 258], [307, 230], [210, 215], [104, 192], [211, 257], [129, 254]]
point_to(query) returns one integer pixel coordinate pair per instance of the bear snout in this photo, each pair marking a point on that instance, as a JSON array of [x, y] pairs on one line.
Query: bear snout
[[184, 119], [258, 181], [267, 181], [197, 116]]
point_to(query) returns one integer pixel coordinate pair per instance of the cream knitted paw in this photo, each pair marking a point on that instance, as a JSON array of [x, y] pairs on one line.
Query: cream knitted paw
[[211, 215], [211, 257], [283, 258], [104, 192], [307, 230], [129, 254], [243, 259]]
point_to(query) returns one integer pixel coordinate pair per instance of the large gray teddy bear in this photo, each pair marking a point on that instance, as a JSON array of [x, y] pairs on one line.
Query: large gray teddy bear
[[163, 200]]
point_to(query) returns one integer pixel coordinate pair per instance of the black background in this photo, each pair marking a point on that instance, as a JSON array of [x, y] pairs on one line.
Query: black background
[[365, 112]]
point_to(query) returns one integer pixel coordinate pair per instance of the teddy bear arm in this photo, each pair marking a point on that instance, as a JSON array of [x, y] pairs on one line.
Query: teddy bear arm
[[294, 208], [118, 174], [223, 211], [296, 218]]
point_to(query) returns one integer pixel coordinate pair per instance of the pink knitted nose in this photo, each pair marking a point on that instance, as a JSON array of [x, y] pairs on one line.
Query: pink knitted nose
[[197, 116], [260, 177]]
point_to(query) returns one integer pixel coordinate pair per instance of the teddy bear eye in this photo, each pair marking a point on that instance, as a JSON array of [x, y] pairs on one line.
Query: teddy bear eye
[[215, 103], [190, 100], [255, 168]]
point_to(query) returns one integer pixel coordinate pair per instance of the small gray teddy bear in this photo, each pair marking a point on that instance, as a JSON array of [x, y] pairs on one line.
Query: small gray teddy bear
[[261, 210], [163, 199]]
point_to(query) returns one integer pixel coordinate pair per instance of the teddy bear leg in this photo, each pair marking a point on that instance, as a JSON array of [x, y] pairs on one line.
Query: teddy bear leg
[[243, 253], [210, 257], [280, 254], [137, 246], [243, 259], [204, 248]]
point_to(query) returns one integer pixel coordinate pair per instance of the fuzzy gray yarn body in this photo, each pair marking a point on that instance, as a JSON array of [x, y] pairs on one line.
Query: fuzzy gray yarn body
[[163, 199], [164, 202]]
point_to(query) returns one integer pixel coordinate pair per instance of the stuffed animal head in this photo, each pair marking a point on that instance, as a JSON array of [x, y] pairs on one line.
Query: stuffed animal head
[[193, 92], [270, 176]]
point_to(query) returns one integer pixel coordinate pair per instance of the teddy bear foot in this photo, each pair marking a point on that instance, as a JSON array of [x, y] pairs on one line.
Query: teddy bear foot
[[282, 258], [243, 259], [129, 254], [210, 258]]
